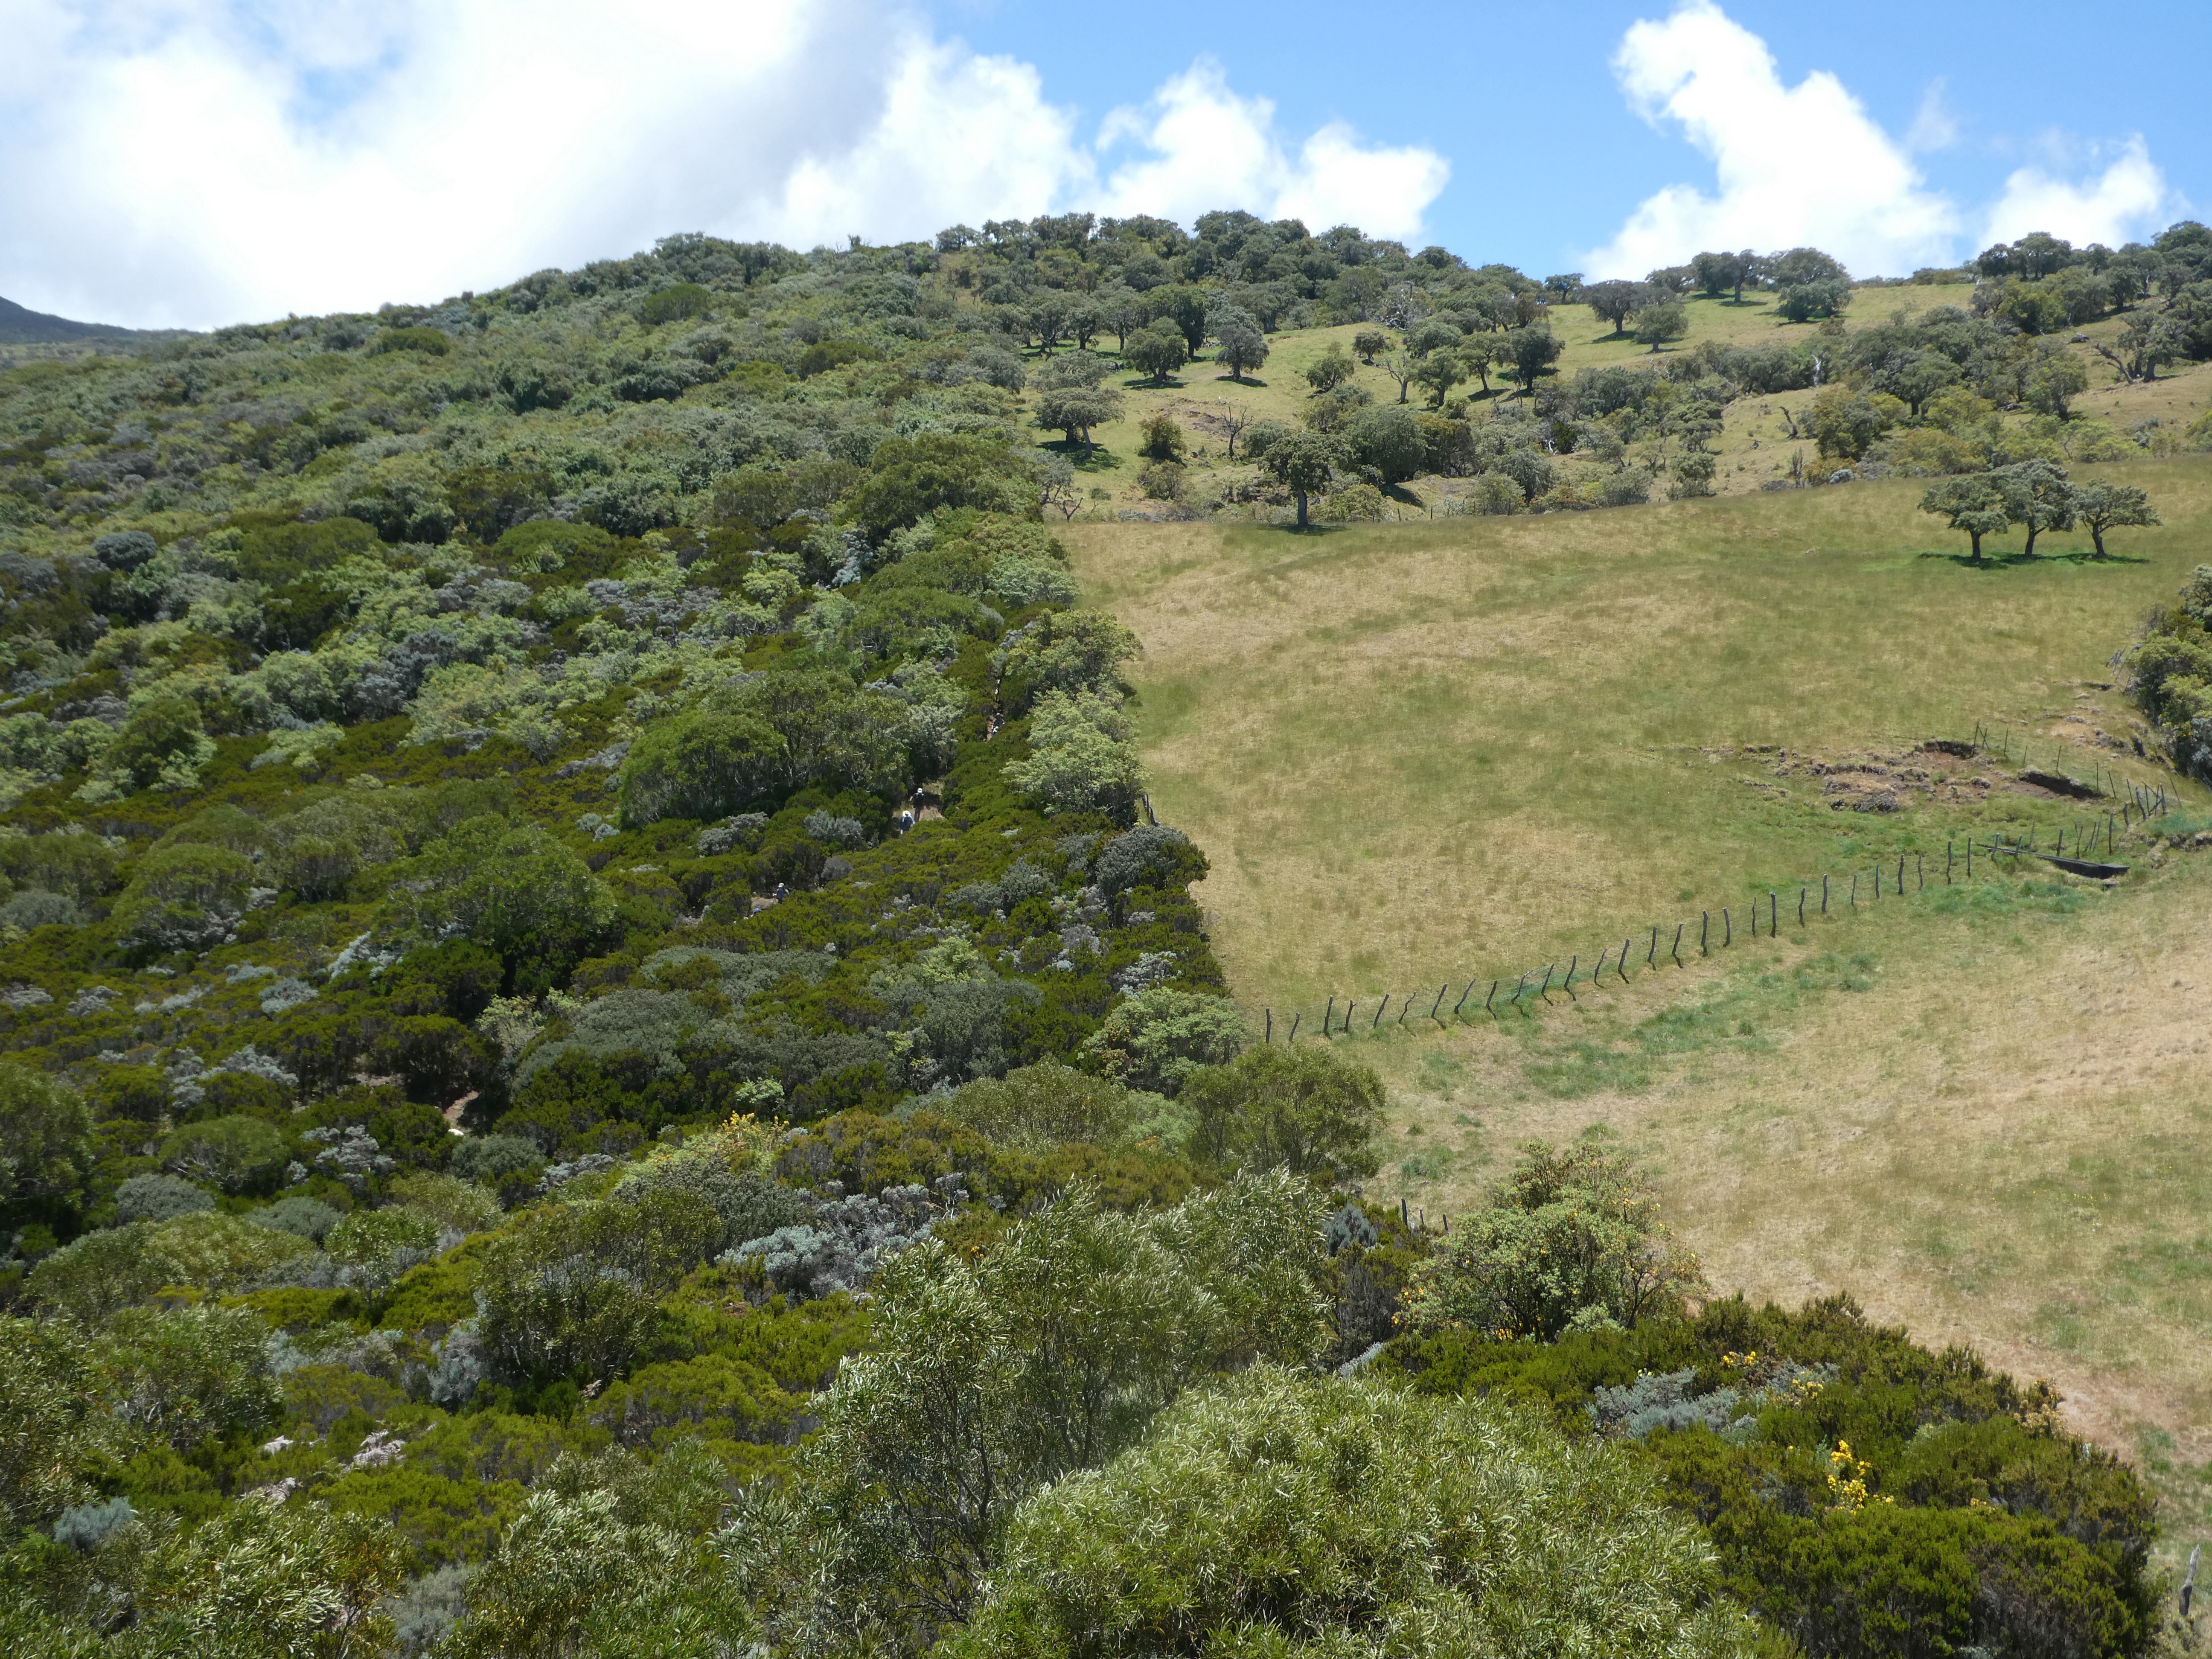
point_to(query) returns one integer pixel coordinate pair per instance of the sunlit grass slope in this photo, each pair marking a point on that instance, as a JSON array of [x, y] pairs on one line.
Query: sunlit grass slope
[[1413, 750], [1415, 753]]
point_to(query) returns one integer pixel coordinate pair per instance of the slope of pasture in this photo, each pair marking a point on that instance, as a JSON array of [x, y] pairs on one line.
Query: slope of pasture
[[1416, 753], [1417, 750]]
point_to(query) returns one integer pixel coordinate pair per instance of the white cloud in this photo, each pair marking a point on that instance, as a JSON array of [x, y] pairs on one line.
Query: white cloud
[[1801, 165], [196, 161], [1933, 126], [2130, 196], [1212, 148]]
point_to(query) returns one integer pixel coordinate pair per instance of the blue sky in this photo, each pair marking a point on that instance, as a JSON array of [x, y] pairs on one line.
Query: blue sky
[[198, 161]]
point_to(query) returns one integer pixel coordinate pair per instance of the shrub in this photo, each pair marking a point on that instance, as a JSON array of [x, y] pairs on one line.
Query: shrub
[[233, 1153], [673, 303], [1039, 1107], [453, 1204], [304, 1218], [1082, 757], [373, 1248], [1571, 1238], [1389, 439], [488, 1157], [1301, 1109], [1235, 1525], [748, 1205], [430, 341], [161, 1198], [185, 897], [1157, 1038], [46, 1135], [163, 744]]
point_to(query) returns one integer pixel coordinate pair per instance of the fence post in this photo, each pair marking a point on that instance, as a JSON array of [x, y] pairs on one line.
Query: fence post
[[1920, 873], [1439, 1002], [1900, 875], [1492, 997], [1855, 889], [1271, 1025], [1800, 907], [1678, 942], [1328, 1014], [1773, 910], [1652, 959], [1464, 995], [1293, 1036], [1728, 929], [1569, 987], [1545, 992], [1705, 931], [1621, 967], [1824, 896], [1348, 1007]]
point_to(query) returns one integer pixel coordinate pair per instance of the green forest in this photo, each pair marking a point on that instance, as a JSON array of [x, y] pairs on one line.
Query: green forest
[[606, 1053]]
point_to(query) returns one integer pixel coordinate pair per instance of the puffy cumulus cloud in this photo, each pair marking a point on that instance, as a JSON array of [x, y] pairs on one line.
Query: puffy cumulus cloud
[[1208, 148], [2130, 196], [190, 162], [193, 161], [1795, 166]]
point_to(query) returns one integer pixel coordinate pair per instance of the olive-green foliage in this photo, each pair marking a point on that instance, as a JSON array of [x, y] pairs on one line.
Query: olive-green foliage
[[748, 1205], [1301, 1109], [234, 1153], [46, 1135], [48, 1426], [187, 1374], [1037, 1108], [763, 740], [453, 1204], [2170, 674], [1082, 757], [1157, 1038], [185, 897], [1572, 1236], [1286, 1514], [910, 478], [375, 1247], [1868, 1496], [117, 1266], [1047, 1354], [163, 744], [574, 1289], [308, 1217], [514, 889]]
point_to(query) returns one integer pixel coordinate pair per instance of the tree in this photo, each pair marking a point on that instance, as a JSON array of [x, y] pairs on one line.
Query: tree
[[2037, 497], [1656, 325], [1300, 1110], [1291, 1515], [2105, 506], [1082, 757], [1972, 503], [1388, 439], [1183, 305], [1303, 462], [1233, 419], [1401, 366], [990, 1377], [1717, 273], [1161, 439], [1075, 409], [1613, 300], [909, 479], [1573, 1237], [1919, 376], [1239, 339], [1440, 371], [186, 896], [1331, 370], [45, 1136], [1368, 344], [1123, 309], [2055, 379], [1157, 349], [1531, 351]]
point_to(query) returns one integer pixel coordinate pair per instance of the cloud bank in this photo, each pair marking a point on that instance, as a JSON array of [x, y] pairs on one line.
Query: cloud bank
[[187, 162], [1807, 165], [1795, 165]]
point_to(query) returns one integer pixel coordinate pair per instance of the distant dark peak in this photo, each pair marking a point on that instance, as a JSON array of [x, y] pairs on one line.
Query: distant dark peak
[[19, 326]]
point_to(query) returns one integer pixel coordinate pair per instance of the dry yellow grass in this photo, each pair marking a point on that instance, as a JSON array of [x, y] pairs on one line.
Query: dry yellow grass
[[1415, 753]]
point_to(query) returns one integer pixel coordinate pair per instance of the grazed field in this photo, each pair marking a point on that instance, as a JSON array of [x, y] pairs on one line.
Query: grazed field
[[1418, 753]]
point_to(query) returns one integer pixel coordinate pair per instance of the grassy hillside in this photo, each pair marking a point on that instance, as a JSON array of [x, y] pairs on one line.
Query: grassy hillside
[[1418, 753]]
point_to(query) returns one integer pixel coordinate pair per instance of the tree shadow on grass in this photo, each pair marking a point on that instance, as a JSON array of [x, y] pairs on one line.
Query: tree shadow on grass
[[2012, 558]]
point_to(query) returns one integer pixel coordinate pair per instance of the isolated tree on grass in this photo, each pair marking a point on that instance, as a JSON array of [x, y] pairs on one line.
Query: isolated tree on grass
[[1332, 369], [1402, 366], [1972, 503], [1657, 324], [1301, 462], [1158, 349], [2103, 506], [2037, 497], [1070, 397], [1439, 371], [1614, 301], [1369, 344], [1529, 351], [1237, 338]]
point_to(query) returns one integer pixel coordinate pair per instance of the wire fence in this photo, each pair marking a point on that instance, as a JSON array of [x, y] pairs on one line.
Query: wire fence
[[2084, 847]]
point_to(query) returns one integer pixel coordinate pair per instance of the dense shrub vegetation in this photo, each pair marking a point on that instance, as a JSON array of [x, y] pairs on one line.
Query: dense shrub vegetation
[[605, 1056]]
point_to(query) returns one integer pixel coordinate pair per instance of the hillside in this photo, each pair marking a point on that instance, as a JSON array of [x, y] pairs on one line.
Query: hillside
[[643, 931]]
